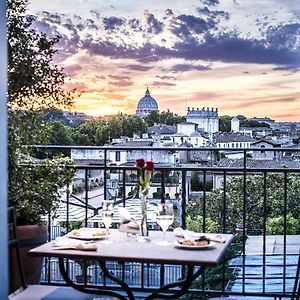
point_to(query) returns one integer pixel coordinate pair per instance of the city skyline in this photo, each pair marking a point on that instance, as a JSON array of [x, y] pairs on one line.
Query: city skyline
[[242, 57]]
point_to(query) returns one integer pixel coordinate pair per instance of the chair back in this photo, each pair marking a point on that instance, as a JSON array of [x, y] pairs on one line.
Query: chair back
[[296, 290], [14, 247]]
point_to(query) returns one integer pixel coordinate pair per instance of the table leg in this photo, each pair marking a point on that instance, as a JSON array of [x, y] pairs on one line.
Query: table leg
[[165, 291], [86, 289], [108, 274]]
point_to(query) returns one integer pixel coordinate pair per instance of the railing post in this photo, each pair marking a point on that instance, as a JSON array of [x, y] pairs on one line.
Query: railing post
[[86, 197], [3, 148], [105, 173], [124, 188], [183, 200], [162, 183]]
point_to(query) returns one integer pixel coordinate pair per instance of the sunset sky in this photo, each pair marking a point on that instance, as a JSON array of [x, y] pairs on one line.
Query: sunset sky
[[241, 56]]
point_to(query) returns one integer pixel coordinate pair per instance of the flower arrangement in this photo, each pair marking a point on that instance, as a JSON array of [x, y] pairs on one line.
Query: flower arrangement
[[145, 170]]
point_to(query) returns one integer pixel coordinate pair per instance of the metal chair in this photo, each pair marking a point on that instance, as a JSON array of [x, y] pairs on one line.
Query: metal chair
[[36, 292]]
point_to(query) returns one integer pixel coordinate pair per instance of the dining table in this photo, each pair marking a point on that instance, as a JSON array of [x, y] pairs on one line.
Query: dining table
[[123, 248]]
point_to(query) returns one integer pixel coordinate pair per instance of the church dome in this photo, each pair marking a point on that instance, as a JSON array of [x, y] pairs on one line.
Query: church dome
[[146, 105]]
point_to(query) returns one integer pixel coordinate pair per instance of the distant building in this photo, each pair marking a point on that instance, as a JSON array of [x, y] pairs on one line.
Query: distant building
[[256, 131], [232, 140], [263, 154], [235, 124], [146, 105], [264, 120], [207, 119]]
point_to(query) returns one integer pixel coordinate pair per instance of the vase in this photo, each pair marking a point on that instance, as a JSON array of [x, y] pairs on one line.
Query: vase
[[144, 226]]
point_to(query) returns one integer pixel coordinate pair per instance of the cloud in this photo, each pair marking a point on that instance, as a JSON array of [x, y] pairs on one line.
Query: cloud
[[79, 86], [230, 48], [162, 83], [169, 12], [119, 77], [120, 81], [166, 77], [72, 69], [194, 37], [153, 25], [210, 2], [111, 23], [187, 67], [188, 24], [287, 68], [139, 68], [284, 36]]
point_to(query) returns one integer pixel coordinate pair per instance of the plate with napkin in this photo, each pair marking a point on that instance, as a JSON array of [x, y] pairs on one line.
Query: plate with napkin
[[192, 236], [63, 243]]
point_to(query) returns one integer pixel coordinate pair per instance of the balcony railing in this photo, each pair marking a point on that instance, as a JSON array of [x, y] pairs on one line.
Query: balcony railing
[[271, 272]]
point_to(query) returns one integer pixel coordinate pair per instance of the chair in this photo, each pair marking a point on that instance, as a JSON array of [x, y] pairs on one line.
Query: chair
[[37, 292], [296, 289]]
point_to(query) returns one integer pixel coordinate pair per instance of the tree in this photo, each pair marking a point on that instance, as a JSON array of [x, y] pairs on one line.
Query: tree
[[60, 134], [250, 123], [34, 84], [225, 123], [166, 117], [254, 200]]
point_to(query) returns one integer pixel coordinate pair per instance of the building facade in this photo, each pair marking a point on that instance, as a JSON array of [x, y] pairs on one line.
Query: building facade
[[207, 119]]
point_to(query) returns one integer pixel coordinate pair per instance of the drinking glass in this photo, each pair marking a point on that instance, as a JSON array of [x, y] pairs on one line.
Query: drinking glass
[[165, 218], [107, 214]]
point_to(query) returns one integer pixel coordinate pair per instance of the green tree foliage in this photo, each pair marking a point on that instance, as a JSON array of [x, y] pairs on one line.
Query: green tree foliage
[[39, 183], [225, 123], [166, 117], [196, 224], [250, 123], [34, 84], [100, 132], [60, 134], [276, 225], [254, 200]]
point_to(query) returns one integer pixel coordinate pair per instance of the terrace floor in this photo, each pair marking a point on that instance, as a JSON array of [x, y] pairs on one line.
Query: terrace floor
[[274, 244]]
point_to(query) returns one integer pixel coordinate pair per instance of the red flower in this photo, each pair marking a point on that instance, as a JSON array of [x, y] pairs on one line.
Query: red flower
[[140, 163], [149, 165]]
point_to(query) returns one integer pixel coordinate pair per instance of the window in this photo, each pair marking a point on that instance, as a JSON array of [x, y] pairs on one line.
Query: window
[[118, 156], [262, 147]]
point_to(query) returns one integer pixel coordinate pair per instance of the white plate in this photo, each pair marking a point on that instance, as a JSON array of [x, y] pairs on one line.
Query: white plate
[[87, 234], [178, 245]]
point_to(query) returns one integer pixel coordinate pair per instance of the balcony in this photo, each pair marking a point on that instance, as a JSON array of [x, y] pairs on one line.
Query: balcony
[[236, 197]]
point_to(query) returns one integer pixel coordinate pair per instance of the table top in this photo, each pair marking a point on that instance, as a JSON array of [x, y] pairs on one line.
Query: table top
[[128, 249]]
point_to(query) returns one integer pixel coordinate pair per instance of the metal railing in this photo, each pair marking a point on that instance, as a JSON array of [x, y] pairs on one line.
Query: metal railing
[[247, 268]]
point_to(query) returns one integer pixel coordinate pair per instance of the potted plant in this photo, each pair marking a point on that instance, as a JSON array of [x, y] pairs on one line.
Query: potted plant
[[35, 194]]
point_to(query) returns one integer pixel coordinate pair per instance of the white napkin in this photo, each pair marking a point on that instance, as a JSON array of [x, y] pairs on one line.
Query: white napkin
[[127, 223], [62, 243], [191, 235]]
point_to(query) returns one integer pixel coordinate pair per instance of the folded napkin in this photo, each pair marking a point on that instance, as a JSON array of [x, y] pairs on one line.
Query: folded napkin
[[191, 235], [62, 243], [127, 223]]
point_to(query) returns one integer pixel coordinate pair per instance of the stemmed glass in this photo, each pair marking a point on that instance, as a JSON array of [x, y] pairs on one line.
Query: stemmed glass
[[165, 218], [107, 215]]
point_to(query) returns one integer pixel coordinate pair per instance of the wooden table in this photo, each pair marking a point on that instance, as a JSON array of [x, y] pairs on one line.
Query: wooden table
[[127, 249]]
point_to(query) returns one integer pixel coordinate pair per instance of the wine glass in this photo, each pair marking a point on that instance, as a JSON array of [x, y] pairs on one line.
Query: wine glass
[[107, 214], [164, 218]]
